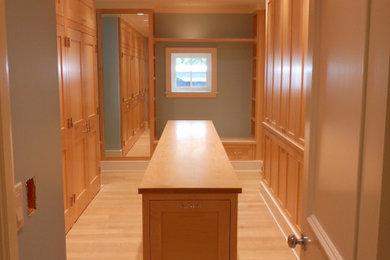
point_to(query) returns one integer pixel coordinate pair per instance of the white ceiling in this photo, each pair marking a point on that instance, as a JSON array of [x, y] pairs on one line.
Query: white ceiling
[[186, 6]]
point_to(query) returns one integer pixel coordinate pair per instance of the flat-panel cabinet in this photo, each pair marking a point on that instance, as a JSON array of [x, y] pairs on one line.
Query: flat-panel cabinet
[[77, 67]]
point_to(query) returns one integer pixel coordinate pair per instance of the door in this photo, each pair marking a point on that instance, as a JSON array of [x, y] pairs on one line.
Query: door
[[77, 184], [65, 124], [89, 65], [335, 86]]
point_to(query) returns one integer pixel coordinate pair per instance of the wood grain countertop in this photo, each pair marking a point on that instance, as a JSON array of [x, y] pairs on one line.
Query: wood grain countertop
[[189, 158]]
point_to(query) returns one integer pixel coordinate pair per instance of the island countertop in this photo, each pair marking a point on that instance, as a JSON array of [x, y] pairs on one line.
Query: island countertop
[[189, 158]]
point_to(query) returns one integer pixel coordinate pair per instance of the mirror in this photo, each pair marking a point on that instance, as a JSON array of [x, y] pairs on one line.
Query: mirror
[[123, 81]]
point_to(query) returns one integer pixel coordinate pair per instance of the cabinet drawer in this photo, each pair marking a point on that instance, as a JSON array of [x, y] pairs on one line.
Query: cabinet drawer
[[239, 151], [81, 11], [190, 229]]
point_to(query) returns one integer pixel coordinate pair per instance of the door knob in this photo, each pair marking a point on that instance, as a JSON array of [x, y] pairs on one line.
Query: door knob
[[293, 241]]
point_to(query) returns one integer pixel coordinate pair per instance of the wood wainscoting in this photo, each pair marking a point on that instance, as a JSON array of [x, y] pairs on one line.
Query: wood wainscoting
[[78, 87]]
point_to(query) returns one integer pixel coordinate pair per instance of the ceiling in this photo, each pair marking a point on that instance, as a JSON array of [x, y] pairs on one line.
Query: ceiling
[[186, 6]]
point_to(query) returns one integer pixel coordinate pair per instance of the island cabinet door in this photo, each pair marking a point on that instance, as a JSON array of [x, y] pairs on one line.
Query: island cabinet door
[[190, 230]]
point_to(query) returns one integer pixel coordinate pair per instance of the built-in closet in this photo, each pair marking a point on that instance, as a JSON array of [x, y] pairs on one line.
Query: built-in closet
[[77, 68], [284, 106]]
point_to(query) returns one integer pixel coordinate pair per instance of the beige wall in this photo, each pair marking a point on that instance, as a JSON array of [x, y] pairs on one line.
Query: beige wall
[[230, 111], [32, 54]]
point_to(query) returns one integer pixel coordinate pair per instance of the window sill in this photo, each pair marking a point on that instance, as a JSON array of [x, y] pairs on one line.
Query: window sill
[[191, 94]]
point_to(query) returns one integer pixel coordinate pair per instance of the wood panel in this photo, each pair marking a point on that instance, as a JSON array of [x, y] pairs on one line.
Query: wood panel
[[77, 183], [190, 233], [283, 165], [284, 103], [77, 70], [81, 12]]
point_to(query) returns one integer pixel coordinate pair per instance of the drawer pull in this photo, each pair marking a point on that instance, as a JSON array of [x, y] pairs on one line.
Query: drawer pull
[[190, 206], [237, 153]]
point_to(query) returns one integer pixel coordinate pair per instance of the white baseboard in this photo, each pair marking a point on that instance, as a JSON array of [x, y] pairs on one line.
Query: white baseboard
[[113, 153], [140, 166], [285, 226]]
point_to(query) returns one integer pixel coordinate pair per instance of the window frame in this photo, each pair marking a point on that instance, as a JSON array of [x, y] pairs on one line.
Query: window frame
[[212, 93]]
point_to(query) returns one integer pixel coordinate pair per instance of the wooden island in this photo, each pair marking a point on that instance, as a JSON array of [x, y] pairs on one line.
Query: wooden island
[[189, 196]]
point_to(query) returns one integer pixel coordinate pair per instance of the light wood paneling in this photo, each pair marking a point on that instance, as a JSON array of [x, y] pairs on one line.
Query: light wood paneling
[[81, 12], [77, 70], [111, 226], [284, 103], [283, 174]]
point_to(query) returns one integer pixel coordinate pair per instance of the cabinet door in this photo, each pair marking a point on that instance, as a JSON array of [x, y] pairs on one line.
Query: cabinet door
[[190, 230], [81, 11], [64, 126], [89, 70], [77, 180]]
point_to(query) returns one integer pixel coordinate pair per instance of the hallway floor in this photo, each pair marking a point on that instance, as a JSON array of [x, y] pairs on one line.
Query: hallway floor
[[111, 226]]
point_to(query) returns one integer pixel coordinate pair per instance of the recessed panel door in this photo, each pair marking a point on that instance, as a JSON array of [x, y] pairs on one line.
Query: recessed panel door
[[92, 157], [65, 124], [190, 230], [77, 181]]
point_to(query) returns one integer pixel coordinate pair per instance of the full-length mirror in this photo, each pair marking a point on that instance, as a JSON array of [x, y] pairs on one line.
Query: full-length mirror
[[123, 75]]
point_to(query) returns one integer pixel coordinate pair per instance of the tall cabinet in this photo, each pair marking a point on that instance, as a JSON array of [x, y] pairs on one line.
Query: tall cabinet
[[77, 67], [284, 107]]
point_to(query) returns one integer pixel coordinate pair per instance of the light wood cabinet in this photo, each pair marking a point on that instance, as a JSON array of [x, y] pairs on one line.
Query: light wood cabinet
[[77, 67], [239, 148], [197, 226], [284, 107], [132, 85], [284, 96], [189, 196]]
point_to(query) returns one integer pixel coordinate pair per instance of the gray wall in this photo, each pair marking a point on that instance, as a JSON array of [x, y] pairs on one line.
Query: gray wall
[[230, 111], [32, 53], [111, 83]]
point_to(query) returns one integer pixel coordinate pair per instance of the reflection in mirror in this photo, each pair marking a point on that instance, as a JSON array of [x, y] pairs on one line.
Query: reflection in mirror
[[124, 53]]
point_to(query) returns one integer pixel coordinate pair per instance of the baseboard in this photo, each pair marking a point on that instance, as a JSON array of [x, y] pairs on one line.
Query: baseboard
[[113, 153], [123, 166], [140, 166], [247, 166], [285, 226]]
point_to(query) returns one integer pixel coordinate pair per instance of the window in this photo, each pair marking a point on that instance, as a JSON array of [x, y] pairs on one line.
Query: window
[[191, 72]]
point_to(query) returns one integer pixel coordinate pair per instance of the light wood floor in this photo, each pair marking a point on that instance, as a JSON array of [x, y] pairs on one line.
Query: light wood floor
[[111, 226], [142, 147]]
